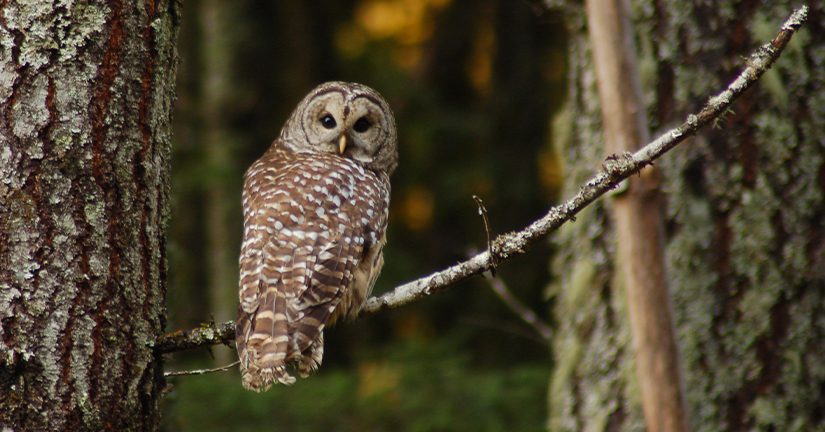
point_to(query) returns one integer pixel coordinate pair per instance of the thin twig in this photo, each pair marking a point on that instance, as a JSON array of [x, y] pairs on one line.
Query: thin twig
[[201, 371], [482, 211], [504, 326], [508, 245], [520, 309]]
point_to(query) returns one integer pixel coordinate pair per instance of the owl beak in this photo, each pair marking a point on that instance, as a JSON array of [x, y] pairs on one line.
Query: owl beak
[[342, 144]]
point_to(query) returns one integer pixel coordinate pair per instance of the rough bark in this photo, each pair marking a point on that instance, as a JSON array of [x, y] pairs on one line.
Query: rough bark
[[745, 227], [86, 92]]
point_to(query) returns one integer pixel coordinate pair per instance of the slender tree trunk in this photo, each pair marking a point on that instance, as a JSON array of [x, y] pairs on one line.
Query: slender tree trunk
[[86, 93], [638, 215], [745, 229]]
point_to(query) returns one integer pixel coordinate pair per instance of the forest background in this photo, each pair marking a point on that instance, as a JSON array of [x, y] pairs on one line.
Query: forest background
[[497, 98], [474, 86], [692, 296]]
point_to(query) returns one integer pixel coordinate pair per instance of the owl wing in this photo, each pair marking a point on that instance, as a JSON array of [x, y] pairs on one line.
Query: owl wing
[[306, 228], [349, 226]]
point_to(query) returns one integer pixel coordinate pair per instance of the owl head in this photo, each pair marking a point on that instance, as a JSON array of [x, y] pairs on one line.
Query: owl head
[[347, 119]]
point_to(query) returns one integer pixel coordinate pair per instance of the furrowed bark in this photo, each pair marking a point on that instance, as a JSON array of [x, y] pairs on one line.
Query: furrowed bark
[[86, 93], [745, 249], [744, 229]]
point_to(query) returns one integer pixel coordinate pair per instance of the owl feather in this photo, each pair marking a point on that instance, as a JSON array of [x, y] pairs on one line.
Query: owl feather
[[315, 215]]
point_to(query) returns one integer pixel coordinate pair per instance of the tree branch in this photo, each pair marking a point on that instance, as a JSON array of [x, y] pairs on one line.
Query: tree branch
[[520, 309], [201, 371], [203, 335], [615, 169]]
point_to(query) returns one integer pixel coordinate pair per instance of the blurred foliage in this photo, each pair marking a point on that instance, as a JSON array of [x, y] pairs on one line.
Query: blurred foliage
[[407, 386], [474, 85]]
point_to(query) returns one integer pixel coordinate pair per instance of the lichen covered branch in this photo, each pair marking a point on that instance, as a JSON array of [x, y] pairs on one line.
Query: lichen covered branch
[[203, 335]]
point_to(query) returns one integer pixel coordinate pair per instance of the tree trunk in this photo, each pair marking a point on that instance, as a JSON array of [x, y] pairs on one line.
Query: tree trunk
[[745, 229], [86, 93], [638, 218]]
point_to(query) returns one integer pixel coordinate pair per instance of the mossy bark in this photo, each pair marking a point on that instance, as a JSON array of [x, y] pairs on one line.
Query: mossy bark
[[745, 228], [86, 91]]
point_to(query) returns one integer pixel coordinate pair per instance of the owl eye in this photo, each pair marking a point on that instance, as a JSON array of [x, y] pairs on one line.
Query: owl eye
[[361, 125], [328, 121]]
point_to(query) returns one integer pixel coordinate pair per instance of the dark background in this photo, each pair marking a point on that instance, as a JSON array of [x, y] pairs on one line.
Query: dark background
[[474, 86]]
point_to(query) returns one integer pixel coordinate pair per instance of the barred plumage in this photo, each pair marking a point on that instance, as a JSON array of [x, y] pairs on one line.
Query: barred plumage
[[315, 215]]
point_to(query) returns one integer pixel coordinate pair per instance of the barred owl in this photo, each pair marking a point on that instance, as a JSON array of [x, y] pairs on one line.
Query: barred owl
[[315, 216]]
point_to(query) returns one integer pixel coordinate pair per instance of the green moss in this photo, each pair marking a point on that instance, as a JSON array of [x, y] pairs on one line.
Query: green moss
[[580, 287], [569, 355]]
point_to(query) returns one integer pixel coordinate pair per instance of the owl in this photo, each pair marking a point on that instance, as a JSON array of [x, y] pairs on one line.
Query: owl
[[315, 211]]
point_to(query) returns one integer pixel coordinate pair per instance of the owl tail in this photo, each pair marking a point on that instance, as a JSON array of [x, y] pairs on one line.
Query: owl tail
[[262, 342]]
